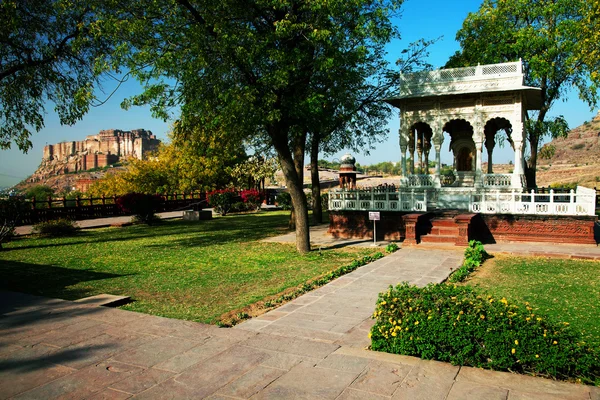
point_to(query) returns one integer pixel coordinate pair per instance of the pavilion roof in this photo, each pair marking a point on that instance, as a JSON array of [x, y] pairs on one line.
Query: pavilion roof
[[489, 78]]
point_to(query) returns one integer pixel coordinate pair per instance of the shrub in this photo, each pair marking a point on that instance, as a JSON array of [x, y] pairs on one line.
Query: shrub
[[141, 205], [392, 247], [10, 214], [221, 200], [56, 227], [284, 200], [475, 254], [238, 206], [456, 324], [325, 201], [252, 199]]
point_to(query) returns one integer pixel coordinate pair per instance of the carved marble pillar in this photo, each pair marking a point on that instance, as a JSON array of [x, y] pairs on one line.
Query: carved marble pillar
[[426, 150], [490, 143], [411, 152], [420, 151], [403, 159]]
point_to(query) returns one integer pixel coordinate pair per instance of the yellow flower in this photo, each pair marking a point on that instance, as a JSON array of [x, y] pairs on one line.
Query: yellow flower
[[537, 356], [503, 300], [513, 351], [461, 312], [383, 303], [394, 333], [517, 342], [370, 334], [416, 322], [482, 316], [554, 342]]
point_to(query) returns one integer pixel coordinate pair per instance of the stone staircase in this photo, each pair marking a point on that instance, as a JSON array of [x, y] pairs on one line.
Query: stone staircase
[[445, 227]]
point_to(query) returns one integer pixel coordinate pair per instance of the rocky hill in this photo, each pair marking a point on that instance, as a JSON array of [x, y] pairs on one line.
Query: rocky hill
[[69, 165], [574, 159]]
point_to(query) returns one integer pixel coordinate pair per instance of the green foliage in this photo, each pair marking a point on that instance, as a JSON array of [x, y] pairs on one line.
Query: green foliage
[[568, 186], [10, 214], [545, 35], [578, 146], [475, 254], [56, 228], [221, 200], [194, 160], [254, 172], [284, 200], [40, 193], [458, 325], [547, 151], [52, 52], [141, 205], [325, 201], [391, 248], [270, 73]]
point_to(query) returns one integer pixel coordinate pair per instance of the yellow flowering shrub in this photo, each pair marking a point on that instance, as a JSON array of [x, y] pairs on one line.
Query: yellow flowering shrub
[[459, 325]]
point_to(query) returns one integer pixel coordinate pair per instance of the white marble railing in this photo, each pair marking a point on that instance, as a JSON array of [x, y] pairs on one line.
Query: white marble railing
[[497, 180], [418, 181], [582, 202], [377, 200]]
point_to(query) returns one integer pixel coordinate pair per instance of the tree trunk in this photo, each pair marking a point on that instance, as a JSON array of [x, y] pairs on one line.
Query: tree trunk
[[534, 142], [292, 168], [314, 180]]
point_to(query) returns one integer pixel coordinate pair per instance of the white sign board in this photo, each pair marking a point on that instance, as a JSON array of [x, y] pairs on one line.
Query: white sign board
[[374, 216]]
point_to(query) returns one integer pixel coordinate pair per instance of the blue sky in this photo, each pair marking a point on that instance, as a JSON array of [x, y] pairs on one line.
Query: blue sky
[[419, 19]]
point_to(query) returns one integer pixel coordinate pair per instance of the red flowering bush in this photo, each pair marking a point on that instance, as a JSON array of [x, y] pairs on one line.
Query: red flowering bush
[[221, 200], [252, 198]]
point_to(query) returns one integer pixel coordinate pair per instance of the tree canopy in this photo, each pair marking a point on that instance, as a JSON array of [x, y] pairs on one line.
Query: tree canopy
[[203, 162], [544, 34], [50, 50], [250, 68]]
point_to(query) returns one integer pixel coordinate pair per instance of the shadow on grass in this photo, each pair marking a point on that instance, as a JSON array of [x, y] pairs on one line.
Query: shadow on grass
[[222, 229], [48, 280]]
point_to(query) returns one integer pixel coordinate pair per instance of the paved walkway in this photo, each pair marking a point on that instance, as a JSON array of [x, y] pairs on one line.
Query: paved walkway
[[311, 348], [102, 222]]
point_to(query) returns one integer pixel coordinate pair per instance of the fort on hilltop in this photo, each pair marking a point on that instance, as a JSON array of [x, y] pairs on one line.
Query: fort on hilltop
[[96, 151]]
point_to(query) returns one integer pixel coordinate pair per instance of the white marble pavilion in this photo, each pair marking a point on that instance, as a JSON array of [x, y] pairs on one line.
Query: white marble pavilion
[[467, 109]]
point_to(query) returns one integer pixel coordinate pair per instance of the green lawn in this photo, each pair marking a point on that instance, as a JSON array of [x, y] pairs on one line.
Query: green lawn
[[566, 290], [187, 270]]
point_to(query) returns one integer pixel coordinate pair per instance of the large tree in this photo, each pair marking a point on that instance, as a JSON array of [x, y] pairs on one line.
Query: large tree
[[544, 34], [246, 66], [50, 52]]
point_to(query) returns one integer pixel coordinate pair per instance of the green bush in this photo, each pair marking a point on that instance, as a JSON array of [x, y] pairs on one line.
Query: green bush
[[141, 205], [11, 210], [284, 200], [56, 227], [475, 254], [325, 201], [221, 200], [392, 247], [456, 324]]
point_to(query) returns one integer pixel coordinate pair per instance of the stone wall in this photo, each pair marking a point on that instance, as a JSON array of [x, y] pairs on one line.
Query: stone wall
[[487, 228]]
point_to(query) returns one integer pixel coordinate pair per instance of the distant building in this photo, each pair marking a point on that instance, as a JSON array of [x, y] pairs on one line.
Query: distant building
[[96, 151]]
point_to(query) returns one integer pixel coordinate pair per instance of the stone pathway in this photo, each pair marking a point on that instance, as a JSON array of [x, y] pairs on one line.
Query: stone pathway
[[102, 222], [311, 348], [340, 311]]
